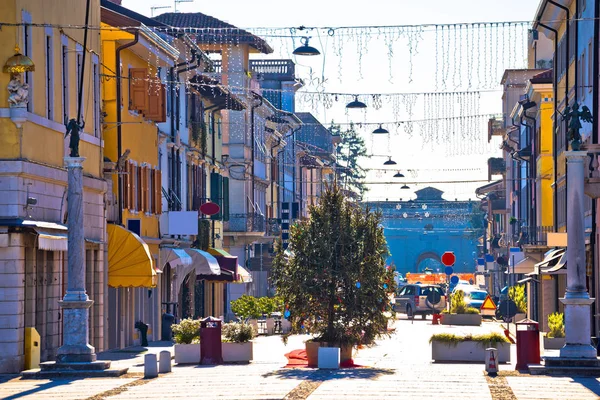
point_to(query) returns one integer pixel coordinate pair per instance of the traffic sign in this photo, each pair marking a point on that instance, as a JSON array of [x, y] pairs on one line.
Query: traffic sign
[[448, 259], [488, 307], [210, 208], [454, 280], [449, 271]]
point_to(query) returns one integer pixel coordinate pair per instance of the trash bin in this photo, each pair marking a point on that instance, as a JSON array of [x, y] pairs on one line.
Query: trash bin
[[210, 341], [528, 343], [166, 321], [143, 328]]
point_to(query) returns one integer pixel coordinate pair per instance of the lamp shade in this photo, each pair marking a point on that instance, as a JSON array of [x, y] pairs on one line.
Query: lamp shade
[[399, 175], [404, 187], [381, 130], [356, 103], [390, 162], [18, 63], [305, 49]]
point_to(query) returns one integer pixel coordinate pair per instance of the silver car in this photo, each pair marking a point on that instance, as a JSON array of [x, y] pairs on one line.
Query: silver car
[[420, 299]]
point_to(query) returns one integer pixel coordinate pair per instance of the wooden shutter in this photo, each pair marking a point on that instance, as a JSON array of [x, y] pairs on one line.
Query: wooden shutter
[[138, 188], [143, 188], [138, 89], [225, 209], [216, 193], [127, 185], [157, 190], [157, 111]]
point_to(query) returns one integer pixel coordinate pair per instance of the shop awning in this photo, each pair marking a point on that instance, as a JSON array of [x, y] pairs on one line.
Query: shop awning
[[525, 266], [129, 259], [175, 257], [231, 270], [219, 252], [52, 240], [244, 275], [554, 260], [203, 262], [558, 265]]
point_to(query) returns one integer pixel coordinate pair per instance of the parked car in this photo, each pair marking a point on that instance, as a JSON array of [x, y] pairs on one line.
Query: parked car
[[420, 299], [474, 297]]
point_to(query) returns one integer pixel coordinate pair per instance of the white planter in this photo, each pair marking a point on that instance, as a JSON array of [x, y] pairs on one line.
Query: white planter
[[553, 343], [270, 326], [461, 319], [187, 353], [329, 357], [237, 352], [467, 351]]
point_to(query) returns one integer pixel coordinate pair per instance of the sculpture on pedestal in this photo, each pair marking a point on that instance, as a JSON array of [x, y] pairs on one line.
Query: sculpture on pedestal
[[18, 92], [73, 129], [575, 116]]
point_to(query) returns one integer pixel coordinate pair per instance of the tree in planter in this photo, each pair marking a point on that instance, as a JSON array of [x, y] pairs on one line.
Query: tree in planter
[[556, 325], [334, 283], [187, 331], [458, 305], [517, 294]]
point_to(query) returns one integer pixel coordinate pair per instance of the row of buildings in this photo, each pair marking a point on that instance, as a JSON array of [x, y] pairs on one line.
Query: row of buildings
[[527, 207], [176, 122]]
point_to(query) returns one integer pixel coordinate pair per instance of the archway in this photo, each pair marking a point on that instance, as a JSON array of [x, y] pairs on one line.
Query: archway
[[427, 255]]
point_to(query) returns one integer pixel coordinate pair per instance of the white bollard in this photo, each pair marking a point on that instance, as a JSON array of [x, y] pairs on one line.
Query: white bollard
[[491, 361], [150, 366], [329, 357], [164, 361]]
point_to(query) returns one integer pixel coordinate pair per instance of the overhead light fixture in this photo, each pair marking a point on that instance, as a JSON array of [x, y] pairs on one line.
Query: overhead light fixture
[[305, 49], [18, 63], [390, 162], [381, 130], [356, 103], [398, 175], [404, 187]]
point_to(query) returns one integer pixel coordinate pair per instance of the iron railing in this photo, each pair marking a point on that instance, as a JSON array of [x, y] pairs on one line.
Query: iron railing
[[273, 227], [249, 222], [534, 235]]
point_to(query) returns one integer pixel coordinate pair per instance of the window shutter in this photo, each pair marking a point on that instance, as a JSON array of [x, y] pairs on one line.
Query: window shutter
[[216, 191], [138, 189], [156, 102], [138, 89], [127, 185], [158, 193], [144, 188], [225, 209]]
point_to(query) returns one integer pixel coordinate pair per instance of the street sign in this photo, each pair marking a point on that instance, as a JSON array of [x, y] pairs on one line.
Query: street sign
[[454, 280], [449, 271], [488, 307], [448, 259], [210, 208]]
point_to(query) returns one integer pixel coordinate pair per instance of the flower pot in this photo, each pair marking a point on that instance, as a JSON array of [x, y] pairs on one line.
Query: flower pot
[[553, 343], [312, 352], [467, 350], [237, 352], [187, 353], [461, 319]]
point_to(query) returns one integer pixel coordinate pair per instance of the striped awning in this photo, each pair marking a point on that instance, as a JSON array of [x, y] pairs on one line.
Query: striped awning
[[52, 240]]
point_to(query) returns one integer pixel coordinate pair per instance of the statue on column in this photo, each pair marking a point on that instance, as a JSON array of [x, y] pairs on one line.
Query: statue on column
[[18, 92], [73, 128], [575, 116]]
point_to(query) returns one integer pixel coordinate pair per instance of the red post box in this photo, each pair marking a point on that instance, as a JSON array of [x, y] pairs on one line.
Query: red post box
[[210, 341], [528, 343]]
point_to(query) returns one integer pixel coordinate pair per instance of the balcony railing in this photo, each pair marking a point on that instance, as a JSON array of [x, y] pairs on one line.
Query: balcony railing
[[250, 222], [273, 227], [534, 235]]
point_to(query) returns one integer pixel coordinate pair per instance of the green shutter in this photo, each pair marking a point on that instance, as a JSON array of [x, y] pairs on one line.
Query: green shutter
[[216, 193], [225, 199]]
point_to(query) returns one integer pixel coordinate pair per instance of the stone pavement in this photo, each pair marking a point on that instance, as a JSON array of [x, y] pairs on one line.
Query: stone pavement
[[399, 368]]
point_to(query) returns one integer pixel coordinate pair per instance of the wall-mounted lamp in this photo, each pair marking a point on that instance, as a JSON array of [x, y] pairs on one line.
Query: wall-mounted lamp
[[224, 158]]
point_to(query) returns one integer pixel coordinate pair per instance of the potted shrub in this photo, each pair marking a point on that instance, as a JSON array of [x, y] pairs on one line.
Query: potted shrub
[[459, 313], [236, 339], [517, 295], [266, 307], [186, 335], [246, 309], [452, 347], [333, 279], [555, 338]]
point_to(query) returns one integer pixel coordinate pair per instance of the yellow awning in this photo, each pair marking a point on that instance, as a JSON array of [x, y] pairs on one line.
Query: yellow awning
[[129, 259]]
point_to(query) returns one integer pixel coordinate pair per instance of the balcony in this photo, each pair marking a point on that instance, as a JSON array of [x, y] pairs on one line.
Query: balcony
[[273, 227], [533, 235], [273, 69], [250, 222], [495, 127]]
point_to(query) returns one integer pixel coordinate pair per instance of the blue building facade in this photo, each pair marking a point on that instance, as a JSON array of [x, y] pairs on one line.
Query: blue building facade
[[419, 231]]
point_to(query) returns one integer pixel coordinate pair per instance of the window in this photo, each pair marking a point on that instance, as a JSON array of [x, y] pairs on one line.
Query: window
[[410, 291], [27, 50], [96, 95], [49, 76], [65, 78], [79, 60]]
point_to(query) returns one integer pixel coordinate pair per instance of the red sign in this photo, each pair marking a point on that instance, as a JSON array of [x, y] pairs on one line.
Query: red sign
[[448, 259], [210, 208]]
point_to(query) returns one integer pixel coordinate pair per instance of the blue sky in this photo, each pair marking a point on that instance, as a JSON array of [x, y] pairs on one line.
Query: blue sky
[[380, 73]]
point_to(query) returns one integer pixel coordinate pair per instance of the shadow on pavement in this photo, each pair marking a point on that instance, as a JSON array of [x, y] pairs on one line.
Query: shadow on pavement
[[589, 383], [325, 375], [42, 386]]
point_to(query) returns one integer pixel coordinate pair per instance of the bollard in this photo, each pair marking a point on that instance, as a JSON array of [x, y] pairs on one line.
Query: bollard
[[164, 361], [491, 361], [150, 366]]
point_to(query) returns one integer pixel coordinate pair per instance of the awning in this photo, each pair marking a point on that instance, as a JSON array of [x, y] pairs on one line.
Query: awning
[[558, 266], [175, 257], [550, 258], [203, 262], [525, 266], [129, 259], [554, 260], [228, 267], [244, 275], [52, 240]]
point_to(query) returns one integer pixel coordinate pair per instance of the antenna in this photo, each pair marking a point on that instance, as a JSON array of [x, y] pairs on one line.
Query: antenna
[[180, 1], [156, 8]]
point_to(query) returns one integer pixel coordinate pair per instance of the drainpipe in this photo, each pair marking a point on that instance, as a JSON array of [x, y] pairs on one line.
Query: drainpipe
[[252, 128], [595, 128], [554, 124], [136, 37], [532, 169]]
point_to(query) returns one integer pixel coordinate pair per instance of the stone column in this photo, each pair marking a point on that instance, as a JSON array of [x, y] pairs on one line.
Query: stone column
[[577, 300], [76, 303]]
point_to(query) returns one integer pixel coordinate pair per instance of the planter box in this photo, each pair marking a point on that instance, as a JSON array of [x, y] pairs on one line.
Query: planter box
[[312, 353], [519, 317], [461, 319], [237, 352], [187, 353], [286, 326], [329, 357], [467, 351], [553, 343]]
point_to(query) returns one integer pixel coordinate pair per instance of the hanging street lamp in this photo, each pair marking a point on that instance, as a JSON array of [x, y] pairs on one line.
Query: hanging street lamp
[[356, 103], [381, 130], [390, 161], [305, 49]]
